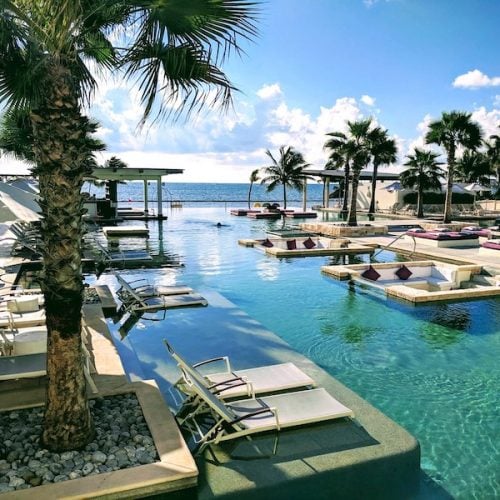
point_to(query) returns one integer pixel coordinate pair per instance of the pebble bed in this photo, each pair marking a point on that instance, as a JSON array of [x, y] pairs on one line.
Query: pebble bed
[[122, 440]]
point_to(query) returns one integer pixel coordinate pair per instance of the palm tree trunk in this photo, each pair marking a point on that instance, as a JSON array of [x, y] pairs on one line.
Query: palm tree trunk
[[371, 210], [284, 196], [352, 218], [60, 151], [449, 186], [249, 194], [346, 187], [420, 204]]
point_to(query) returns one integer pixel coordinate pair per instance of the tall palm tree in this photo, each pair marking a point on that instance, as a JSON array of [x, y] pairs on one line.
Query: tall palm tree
[[254, 177], [287, 171], [50, 53], [342, 151], [454, 129], [360, 137], [423, 173], [384, 152]]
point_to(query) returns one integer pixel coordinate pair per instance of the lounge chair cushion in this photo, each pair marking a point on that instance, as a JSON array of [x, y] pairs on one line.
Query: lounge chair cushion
[[403, 273], [267, 243], [23, 305], [291, 244], [309, 243], [371, 274]]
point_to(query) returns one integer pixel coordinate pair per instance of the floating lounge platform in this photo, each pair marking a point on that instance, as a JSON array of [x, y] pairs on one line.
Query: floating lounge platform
[[264, 215], [125, 230], [420, 281], [301, 215], [241, 212], [307, 247]]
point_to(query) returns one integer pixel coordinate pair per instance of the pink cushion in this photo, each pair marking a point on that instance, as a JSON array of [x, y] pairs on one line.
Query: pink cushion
[[371, 274], [309, 243], [291, 244], [267, 243], [403, 273]]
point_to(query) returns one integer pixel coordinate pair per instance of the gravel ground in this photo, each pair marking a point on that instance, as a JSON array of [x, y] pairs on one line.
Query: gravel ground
[[122, 440]]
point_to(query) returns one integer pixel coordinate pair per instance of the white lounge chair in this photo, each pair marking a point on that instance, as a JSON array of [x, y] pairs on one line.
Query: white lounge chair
[[22, 311], [135, 302], [143, 289], [213, 421], [240, 383]]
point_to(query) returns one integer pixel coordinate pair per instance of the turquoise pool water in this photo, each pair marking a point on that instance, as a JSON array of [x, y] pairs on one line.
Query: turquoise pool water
[[434, 369]]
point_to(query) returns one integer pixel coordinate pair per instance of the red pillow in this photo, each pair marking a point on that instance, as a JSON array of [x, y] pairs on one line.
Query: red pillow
[[267, 243], [403, 273], [309, 244], [291, 244], [371, 274]]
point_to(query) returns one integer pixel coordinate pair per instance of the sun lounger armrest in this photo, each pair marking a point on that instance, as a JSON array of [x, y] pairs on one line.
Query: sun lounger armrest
[[241, 381], [214, 360], [274, 411]]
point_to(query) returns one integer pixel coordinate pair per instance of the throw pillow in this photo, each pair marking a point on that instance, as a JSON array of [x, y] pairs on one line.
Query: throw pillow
[[403, 273], [291, 244], [309, 243], [267, 243], [371, 274]]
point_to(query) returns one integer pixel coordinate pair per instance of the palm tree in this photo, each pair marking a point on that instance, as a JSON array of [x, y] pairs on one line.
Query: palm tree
[[50, 52], [384, 152], [287, 170], [493, 154], [342, 151], [423, 173], [473, 166], [360, 137], [454, 129], [254, 177]]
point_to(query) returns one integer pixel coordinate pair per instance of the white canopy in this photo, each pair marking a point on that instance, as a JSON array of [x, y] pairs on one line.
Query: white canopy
[[21, 203]]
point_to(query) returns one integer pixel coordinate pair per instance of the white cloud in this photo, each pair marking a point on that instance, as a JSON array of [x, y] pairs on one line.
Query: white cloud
[[269, 91], [475, 79], [369, 101], [488, 120]]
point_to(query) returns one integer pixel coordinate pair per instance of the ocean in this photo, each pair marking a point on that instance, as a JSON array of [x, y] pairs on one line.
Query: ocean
[[209, 194]]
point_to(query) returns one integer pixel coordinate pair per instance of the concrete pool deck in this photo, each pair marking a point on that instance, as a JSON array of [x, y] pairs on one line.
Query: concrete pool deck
[[371, 457], [175, 469]]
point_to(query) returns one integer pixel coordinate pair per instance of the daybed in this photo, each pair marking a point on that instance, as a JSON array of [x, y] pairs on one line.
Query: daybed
[[429, 276], [125, 231], [443, 239], [310, 246], [482, 232], [490, 247]]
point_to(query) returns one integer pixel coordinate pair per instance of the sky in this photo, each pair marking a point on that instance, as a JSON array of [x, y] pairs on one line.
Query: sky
[[313, 66]]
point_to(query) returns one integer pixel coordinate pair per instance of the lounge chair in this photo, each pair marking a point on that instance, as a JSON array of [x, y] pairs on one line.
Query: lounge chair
[[213, 421], [32, 360], [135, 302], [240, 383], [20, 311], [143, 289]]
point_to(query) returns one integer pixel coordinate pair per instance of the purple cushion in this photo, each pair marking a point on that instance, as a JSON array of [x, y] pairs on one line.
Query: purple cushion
[[309, 243], [267, 243], [291, 244], [371, 274], [403, 273]]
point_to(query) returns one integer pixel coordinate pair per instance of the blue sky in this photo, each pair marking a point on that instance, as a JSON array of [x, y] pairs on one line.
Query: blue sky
[[314, 65]]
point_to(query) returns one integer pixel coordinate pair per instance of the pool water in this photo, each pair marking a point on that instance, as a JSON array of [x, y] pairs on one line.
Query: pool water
[[434, 369]]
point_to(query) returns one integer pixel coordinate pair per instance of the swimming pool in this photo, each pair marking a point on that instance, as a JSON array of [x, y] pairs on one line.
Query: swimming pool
[[433, 369]]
